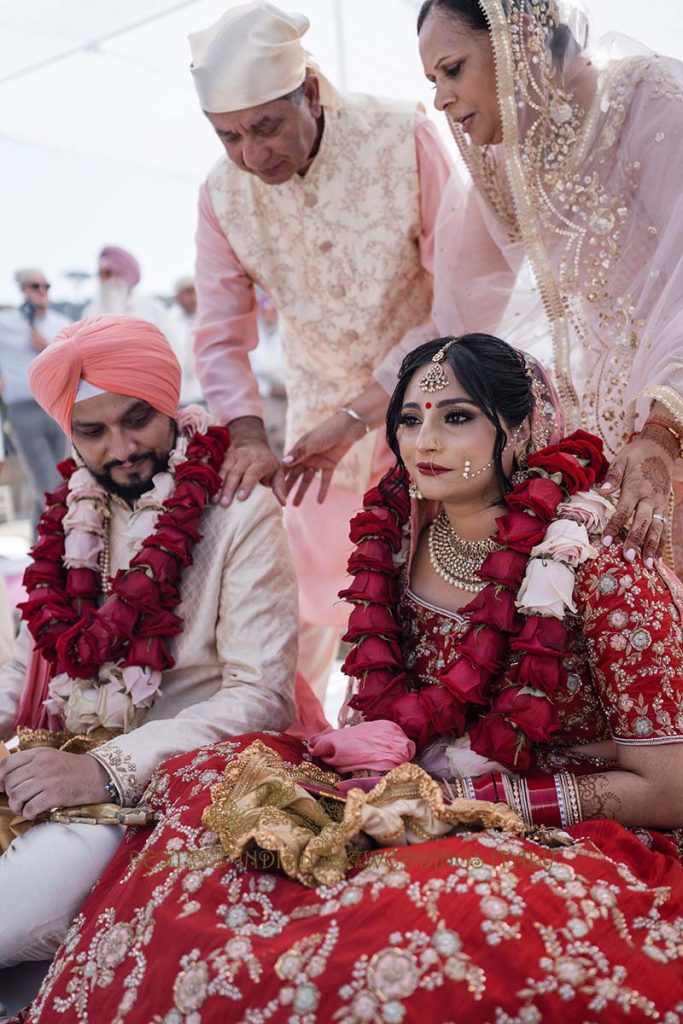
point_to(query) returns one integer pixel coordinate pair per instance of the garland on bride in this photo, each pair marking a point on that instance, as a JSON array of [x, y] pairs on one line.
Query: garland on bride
[[107, 661], [509, 660]]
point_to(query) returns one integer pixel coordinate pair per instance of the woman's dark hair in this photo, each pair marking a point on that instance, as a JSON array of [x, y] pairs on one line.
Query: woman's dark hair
[[561, 40], [493, 374], [469, 10]]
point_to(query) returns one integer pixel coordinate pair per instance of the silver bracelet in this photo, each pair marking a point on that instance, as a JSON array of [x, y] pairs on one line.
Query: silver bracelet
[[355, 416]]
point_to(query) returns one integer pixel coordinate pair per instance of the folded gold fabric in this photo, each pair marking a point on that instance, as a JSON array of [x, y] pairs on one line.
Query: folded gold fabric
[[262, 803]]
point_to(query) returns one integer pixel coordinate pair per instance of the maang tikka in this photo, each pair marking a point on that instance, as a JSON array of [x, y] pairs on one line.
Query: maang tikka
[[435, 379]]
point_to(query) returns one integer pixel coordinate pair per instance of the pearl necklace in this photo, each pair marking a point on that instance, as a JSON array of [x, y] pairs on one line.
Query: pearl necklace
[[105, 561], [457, 561]]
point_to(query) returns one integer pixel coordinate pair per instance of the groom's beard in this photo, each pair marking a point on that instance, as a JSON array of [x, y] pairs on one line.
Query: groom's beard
[[138, 483]]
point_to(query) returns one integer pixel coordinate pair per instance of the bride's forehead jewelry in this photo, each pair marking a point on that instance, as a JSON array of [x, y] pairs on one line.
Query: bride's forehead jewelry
[[435, 379]]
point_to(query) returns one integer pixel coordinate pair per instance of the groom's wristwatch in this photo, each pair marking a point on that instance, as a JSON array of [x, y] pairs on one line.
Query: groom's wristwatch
[[112, 791]]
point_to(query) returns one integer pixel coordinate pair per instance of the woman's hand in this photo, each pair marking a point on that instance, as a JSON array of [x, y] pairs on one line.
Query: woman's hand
[[642, 473], [320, 450]]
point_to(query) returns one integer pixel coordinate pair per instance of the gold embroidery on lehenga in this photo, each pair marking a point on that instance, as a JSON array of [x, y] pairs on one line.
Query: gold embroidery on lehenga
[[260, 803]]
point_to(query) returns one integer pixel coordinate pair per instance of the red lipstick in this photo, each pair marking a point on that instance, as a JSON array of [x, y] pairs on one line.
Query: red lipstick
[[432, 468]]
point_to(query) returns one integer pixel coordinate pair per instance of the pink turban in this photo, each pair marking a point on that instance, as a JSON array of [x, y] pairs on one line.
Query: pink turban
[[122, 262], [120, 354]]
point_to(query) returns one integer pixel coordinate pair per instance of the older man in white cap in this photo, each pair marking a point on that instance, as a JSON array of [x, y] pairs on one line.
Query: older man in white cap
[[327, 202]]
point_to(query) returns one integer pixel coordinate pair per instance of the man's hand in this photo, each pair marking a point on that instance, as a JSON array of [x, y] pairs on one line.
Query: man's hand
[[249, 461], [642, 473], [40, 779], [320, 450], [38, 340]]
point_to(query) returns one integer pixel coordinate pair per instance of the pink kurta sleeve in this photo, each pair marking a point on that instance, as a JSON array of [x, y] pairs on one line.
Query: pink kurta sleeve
[[226, 328], [434, 168]]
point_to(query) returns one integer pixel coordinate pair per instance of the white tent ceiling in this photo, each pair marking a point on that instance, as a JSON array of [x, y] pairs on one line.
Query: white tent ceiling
[[101, 138]]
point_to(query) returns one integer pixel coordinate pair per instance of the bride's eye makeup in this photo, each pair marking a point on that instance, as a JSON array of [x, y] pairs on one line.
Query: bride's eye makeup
[[408, 419], [457, 416]]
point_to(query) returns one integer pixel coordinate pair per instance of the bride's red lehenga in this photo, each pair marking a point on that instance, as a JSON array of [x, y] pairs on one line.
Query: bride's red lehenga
[[479, 926]]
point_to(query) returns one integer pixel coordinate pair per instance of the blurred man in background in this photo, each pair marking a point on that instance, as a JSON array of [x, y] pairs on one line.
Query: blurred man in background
[[24, 332], [118, 276], [181, 321]]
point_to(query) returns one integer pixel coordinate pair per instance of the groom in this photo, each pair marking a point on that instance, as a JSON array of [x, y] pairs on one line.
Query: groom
[[142, 633]]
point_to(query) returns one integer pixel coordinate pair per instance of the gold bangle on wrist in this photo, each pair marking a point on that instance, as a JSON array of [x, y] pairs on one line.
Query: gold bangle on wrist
[[355, 416]]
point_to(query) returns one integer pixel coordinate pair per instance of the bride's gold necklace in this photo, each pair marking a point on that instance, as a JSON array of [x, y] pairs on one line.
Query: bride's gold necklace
[[456, 560]]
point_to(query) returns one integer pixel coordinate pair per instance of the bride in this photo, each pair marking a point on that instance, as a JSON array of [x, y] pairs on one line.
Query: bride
[[492, 835]]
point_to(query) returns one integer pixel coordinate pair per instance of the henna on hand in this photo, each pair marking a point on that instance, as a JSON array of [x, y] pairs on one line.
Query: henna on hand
[[598, 800], [657, 475]]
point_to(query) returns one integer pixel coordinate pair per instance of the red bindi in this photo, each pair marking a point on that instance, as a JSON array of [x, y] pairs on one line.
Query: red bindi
[[428, 405]]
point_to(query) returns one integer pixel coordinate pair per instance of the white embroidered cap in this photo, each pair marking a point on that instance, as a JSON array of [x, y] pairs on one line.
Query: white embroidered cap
[[253, 55]]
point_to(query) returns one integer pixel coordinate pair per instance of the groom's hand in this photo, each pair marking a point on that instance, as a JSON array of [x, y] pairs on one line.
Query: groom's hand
[[40, 779]]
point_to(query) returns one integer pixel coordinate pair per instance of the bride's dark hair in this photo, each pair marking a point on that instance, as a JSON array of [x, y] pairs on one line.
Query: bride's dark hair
[[493, 374]]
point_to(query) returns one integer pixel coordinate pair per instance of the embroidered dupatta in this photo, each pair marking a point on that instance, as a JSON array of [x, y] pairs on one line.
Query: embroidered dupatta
[[580, 192]]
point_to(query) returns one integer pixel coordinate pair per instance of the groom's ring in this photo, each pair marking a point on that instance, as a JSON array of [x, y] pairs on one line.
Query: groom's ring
[[660, 519]]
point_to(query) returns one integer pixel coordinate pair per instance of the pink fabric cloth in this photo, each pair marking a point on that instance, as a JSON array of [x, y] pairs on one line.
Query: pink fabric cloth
[[371, 746], [32, 711], [310, 717], [121, 262], [120, 354], [319, 539], [226, 328]]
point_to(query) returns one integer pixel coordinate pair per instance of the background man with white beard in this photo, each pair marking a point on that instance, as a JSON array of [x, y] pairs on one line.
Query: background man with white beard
[[118, 276]]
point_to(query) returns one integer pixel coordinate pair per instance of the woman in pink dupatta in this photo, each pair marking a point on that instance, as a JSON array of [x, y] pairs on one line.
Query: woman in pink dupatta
[[571, 195], [565, 239]]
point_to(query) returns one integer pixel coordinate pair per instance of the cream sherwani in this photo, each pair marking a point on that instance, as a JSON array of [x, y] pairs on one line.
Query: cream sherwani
[[233, 674], [345, 254]]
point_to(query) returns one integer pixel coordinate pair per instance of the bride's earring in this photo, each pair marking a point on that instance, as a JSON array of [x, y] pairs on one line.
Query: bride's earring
[[521, 472], [414, 492]]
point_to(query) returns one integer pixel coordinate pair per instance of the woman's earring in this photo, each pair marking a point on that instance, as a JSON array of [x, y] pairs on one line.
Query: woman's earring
[[521, 472], [414, 492]]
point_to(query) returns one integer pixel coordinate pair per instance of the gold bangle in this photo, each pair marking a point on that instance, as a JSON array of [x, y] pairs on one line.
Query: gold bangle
[[355, 416]]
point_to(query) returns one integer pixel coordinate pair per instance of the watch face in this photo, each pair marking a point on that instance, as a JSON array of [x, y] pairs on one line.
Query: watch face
[[112, 791]]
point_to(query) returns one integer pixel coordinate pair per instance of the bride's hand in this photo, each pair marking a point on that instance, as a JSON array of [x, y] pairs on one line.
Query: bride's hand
[[642, 472], [320, 451]]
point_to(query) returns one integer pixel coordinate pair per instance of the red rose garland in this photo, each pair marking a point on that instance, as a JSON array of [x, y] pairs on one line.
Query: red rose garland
[[508, 665], [133, 625]]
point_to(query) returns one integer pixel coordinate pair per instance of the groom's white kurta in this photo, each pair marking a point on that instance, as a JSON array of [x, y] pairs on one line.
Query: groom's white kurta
[[234, 672]]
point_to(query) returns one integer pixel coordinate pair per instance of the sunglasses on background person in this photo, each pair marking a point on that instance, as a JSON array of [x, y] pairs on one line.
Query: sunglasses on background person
[[38, 286]]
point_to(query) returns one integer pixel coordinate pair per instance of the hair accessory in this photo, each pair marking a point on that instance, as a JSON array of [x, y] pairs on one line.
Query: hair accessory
[[435, 379]]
